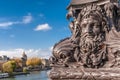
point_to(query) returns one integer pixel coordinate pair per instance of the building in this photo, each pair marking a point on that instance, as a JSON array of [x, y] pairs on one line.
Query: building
[[4, 58], [24, 59], [46, 64]]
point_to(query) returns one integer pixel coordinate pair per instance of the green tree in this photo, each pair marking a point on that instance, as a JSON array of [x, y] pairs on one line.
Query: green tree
[[25, 69], [9, 66]]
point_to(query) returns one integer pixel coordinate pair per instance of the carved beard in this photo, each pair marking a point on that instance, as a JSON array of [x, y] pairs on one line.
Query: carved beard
[[88, 43], [91, 51]]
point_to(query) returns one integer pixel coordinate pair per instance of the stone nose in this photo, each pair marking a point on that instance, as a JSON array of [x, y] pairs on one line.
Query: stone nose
[[88, 29]]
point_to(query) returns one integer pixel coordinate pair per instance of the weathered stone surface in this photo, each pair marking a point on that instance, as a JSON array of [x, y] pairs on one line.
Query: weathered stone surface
[[92, 52], [85, 74]]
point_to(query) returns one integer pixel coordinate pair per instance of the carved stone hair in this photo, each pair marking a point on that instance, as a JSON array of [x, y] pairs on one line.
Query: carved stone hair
[[95, 12]]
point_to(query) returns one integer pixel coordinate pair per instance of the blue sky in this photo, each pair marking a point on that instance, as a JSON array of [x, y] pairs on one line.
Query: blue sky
[[33, 26]]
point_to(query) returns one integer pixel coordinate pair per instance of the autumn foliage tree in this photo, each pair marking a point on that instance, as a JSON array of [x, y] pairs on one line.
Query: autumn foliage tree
[[33, 61], [9, 66], [18, 62]]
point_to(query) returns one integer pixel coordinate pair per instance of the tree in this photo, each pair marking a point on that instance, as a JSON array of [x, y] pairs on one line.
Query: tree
[[33, 61], [25, 69], [9, 66], [18, 62]]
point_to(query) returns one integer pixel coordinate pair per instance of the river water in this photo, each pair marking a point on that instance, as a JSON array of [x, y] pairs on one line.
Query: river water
[[42, 75]]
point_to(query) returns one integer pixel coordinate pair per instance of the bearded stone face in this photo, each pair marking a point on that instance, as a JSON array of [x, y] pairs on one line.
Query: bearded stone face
[[91, 39], [90, 28]]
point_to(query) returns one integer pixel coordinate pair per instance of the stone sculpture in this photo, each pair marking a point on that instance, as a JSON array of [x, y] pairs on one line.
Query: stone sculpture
[[94, 43]]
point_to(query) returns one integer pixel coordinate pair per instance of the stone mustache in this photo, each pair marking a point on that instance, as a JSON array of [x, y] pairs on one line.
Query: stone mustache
[[95, 39]]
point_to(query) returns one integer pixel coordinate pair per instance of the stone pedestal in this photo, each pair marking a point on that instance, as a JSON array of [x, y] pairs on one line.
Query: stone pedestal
[[85, 74]]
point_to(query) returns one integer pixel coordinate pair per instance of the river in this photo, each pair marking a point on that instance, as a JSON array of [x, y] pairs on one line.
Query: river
[[42, 75]]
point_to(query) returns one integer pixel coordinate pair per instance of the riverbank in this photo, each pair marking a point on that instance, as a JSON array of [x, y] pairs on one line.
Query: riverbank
[[36, 75], [19, 73], [12, 75]]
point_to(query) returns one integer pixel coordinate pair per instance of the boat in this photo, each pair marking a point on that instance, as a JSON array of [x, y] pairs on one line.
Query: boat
[[4, 75]]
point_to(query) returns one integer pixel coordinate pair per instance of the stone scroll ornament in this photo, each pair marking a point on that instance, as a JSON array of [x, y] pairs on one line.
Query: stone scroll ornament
[[95, 39]]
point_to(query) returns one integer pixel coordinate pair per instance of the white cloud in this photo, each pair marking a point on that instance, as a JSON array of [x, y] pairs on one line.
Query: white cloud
[[43, 27], [27, 19], [42, 53], [5, 25]]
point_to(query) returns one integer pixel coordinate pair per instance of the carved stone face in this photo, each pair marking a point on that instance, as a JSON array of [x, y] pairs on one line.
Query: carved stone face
[[92, 36], [90, 27]]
